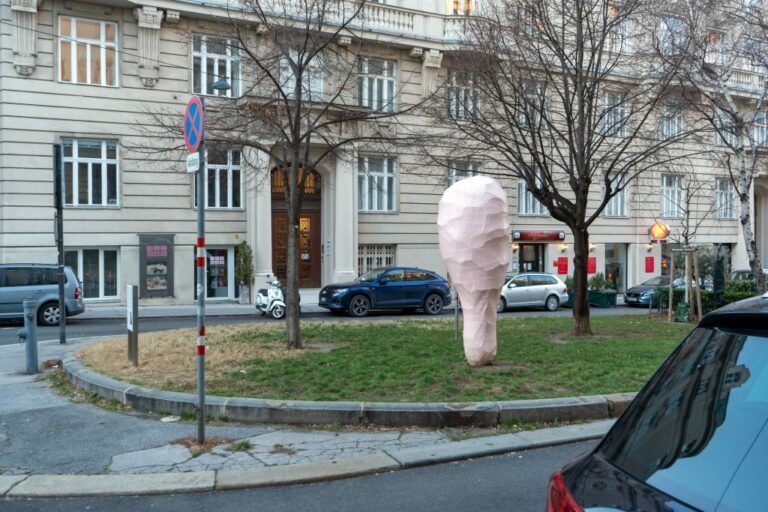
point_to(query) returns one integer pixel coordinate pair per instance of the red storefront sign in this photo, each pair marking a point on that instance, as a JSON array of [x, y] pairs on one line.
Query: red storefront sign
[[649, 264], [538, 235], [592, 265], [562, 265]]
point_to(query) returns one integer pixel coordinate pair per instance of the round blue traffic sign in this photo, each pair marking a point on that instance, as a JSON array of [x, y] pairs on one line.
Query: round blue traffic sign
[[193, 124]]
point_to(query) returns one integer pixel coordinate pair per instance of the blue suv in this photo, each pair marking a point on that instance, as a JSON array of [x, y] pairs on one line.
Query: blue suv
[[404, 288]]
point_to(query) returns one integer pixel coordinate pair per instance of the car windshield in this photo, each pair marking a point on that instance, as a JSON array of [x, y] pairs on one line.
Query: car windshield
[[698, 430], [371, 275], [657, 281]]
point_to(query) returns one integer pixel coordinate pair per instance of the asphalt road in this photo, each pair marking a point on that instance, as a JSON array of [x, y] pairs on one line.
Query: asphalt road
[[516, 482]]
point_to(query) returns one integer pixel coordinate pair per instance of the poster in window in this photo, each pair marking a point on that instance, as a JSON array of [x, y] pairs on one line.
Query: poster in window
[[650, 264], [592, 265]]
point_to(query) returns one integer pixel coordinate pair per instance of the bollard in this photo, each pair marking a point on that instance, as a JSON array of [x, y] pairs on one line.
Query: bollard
[[30, 326]]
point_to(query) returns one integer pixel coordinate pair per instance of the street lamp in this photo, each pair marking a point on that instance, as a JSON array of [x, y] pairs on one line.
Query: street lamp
[[221, 85]]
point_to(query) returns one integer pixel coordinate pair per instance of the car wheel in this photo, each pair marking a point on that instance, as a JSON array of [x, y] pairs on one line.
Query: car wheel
[[552, 303], [48, 314], [501, 305], [433, 304], [278, 312], [359, 306]]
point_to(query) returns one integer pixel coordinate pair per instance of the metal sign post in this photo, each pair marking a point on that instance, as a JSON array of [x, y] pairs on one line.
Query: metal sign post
[[194, 139], [58, 230], [132, 322]]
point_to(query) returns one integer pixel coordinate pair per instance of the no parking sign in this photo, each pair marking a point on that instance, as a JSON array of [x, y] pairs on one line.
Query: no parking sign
[[193, 124]]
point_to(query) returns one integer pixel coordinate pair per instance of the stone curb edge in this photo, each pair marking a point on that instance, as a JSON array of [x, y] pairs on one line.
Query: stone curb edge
[[61, 486], [256, 410]]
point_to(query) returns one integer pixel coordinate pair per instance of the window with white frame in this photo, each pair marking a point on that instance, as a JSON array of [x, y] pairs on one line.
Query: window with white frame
[[724, 199], [714, 51], [87, 51], [376, 84], [223, 178], [90, 172], [458, 171], [530, 18], [760, 129], [376, 184], [614, 115], [617, 205], [531, 102], [97, 270], [214, 58], [311, 77], [373, 256], [461, 7], [463, 97], [617, 38], [671, 120], [527, 204], [672, 196], [671, 35]]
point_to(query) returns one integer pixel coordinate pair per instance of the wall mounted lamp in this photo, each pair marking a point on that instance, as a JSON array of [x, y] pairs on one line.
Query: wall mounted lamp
[[515, 247], [592, 247], [649, 247], [563, 247]]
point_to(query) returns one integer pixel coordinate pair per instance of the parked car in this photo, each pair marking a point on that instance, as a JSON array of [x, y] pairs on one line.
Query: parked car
[[405, 288], [694, 438], [21, 280], [533, 290], [744, 274], [645, 293]]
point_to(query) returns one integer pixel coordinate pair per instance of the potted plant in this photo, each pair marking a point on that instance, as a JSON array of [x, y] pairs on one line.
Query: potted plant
[[569, 285], [601, 293], [244, 271]]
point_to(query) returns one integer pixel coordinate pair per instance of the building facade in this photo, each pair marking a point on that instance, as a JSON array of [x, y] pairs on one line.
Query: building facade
[[85, 75]]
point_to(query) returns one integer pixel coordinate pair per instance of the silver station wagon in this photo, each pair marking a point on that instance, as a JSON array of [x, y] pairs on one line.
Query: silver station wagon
[[533, 290]]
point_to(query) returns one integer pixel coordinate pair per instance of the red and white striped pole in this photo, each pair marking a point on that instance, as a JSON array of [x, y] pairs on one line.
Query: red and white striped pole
[[200, 268]]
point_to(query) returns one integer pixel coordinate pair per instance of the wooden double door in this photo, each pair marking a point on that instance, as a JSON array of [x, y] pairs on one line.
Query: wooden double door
[[309, 247]]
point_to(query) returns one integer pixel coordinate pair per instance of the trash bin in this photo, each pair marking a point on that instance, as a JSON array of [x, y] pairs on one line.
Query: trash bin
[[682, 312]]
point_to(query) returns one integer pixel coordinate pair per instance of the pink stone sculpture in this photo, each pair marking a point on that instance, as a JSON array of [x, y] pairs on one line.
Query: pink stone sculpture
[[473, 231]]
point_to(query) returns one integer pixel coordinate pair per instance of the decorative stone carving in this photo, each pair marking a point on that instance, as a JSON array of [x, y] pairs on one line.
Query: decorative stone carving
[[344, 40], [416, 53], [474, 242], [429, 68], [150, 19], [24, 14], [171, 17]]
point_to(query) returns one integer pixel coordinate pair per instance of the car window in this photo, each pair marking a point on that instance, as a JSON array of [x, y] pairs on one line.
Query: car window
[[698, 431], [539, 280], [417, 275], [657, 281], [394, 275], [20, 276], [520, 281], [371, 275]]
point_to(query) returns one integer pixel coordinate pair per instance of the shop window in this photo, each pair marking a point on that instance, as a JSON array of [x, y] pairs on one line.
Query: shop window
[[97, 271]]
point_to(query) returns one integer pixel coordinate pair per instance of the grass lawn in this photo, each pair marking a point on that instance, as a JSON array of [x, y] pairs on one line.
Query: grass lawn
[[405, 361]]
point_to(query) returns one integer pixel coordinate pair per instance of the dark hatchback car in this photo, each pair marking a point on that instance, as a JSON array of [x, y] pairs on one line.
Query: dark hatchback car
[[695, 437], [388, 288]]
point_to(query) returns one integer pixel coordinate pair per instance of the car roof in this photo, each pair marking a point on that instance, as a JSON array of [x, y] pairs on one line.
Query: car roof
[[747, 313]]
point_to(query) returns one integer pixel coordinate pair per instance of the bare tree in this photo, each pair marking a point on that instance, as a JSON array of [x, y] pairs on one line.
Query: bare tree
[[309, 91], [565, 97], [726, 66]]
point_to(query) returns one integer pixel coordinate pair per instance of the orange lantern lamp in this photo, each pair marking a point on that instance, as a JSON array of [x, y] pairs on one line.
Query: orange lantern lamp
[[659, 231]]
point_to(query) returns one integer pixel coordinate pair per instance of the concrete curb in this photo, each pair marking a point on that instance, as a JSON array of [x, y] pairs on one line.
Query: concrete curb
[[57, 486], [255, 410]]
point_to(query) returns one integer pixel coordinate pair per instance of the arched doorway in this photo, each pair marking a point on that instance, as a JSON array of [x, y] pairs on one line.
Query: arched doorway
[[309, 230]]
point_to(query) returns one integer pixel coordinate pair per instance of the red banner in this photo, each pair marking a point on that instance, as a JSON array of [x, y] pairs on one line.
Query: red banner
[[592, 265], [562, 265], [537, 235], [650, 265]]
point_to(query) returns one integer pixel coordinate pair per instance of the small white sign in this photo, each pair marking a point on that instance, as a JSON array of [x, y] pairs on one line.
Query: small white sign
[[129, 303], [193, 162]]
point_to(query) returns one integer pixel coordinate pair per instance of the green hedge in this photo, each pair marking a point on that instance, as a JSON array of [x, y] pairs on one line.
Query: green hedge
[[707, 297]]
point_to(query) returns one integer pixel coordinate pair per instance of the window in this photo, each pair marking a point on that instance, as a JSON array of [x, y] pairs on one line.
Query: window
[[714, 50], [12, 277], [90, 172], [376, 184], [461, 7], [753, 55], [617, 205], [463, 97], [527, 204], [760, 129], [373, 256], [724, 205], [671, 121], [87, 51], [223, 179], [311, 78], [725, 132], [97, 270], [530, 104], [617, 38], [460, 170], [213, 59], [376, 84], [614, 115], [672, 35], [530, 18], [520, 281], [671, 196]]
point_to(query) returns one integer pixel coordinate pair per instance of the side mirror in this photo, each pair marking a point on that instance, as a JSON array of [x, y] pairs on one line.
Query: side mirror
[[511, 285]]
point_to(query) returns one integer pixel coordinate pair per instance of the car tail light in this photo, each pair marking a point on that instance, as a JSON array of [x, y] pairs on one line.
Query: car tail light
[[565, 290], [77, 293], [558, 498]]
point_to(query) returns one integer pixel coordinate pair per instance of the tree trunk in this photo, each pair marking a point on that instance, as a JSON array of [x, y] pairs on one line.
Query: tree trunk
[[292, 309], [755, 265], [581, 322]]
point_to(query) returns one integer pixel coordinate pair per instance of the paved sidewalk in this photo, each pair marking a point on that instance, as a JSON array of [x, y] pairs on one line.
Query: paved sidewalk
[[50, 446]]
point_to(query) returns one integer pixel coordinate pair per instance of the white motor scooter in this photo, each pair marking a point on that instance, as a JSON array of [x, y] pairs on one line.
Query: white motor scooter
[[270, 301]]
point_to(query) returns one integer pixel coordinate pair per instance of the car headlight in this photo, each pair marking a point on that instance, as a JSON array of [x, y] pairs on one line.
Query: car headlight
[[339, 291], [647, 295]]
